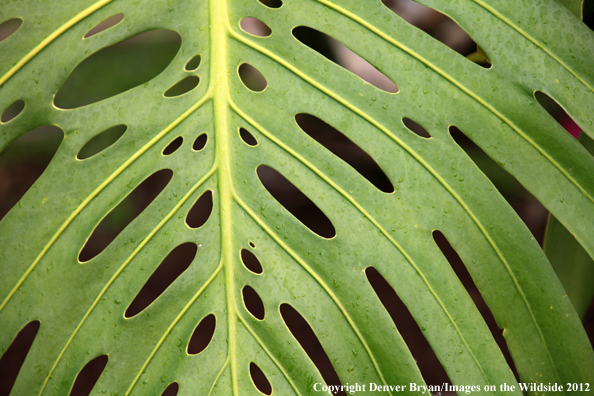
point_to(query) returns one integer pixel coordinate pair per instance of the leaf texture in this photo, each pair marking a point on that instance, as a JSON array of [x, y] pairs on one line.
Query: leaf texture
[[533, 45]]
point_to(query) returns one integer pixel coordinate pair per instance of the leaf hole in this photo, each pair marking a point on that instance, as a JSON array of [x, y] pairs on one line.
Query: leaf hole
[[247, 137], [173, 146], [171, 390], [558, 113], [193, 63], [259, 379], [253, 303], [438, 25], [12, 111], [308, 340], [202, 335], [427, 361], [200, 211], [13, 358], [183, 86], [88, 376], [123, 214], [297, 203], [462, 273], [24, 161], [272, 3], [105, 24], [252, 245], [200, 142], [345, 149], [176, 262], [250, 261], [118, 68], [416, 128], [252, 78], [102, 141], [346, 58], [9, 27], [255, 27]]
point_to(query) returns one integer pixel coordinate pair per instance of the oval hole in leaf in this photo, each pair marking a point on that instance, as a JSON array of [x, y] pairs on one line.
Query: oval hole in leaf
[[101, 141], [200, 211], [9, 27], [176, 262], [105, 24], [182, 87], [427, 361], [200, 142], [12, 360], [558, 113], [171, 390], [251, 261], [123, 214], [259, 379], [272, 3], [118, 68], [252, 78], [173, 146], [306, 337], [462, 273], [24, 161], [193, 63], [253, 303], [12, 111], [247, 137], [252, 245], [255, 27], [202, 335], [88, 376], [345, 149], [347, 59], [438, 25], [416, 128], [297, 203]]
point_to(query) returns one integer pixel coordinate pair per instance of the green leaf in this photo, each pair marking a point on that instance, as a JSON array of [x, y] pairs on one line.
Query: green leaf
[[81, 305], [575, 6]]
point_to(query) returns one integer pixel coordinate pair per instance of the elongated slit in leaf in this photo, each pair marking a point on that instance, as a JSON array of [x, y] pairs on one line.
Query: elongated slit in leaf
[[173, 146], [348, 59], [183, 86], [428, 363], [176, 262], [558, 113], [462, 273], [272, 3], [171, 390], [308, 340], [105, 24], [123, 214], [253, 303], [259, 379], [88, 376], [255, 27], [345, 149], [201, 211], [250, 261], [202, 335], [247, 137], [9, 27], [101, 141], [13, 358], [297, 203], [118, 68], [193, 63], [200, 142], [27, 157], [12, 111], [416, 128], [438, 25], [252, 78]]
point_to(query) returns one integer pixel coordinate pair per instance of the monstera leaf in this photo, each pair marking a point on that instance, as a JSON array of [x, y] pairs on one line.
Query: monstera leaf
[[217, 141]]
